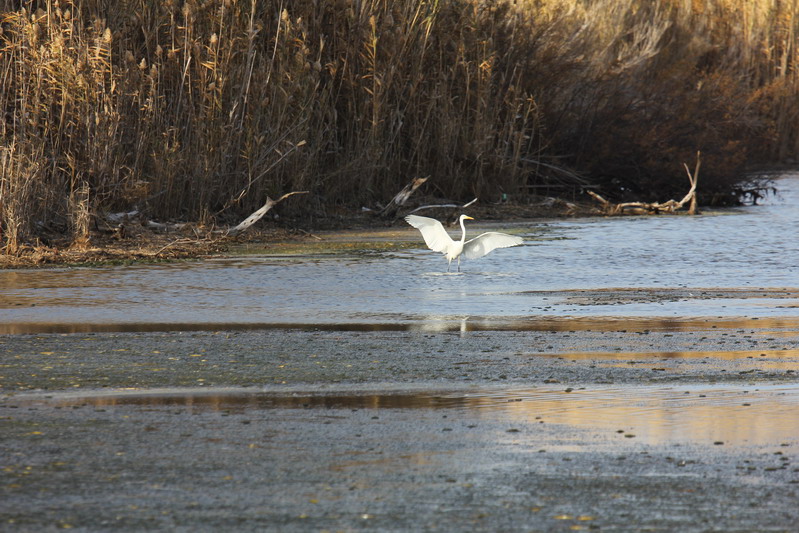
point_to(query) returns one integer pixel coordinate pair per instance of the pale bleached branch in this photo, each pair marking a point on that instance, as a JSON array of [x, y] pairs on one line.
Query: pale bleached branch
[[644, 208], [259, 214]]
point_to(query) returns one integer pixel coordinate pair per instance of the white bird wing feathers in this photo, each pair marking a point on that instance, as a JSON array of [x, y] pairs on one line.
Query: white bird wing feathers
[[437, 239], [482, 244], [435, 236]]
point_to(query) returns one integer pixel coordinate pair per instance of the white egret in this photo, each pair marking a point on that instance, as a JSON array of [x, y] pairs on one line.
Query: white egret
[[438, 240]]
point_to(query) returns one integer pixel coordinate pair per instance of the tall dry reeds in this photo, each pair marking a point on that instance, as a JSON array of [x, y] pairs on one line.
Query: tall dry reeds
[[198, 109], [641, 86]]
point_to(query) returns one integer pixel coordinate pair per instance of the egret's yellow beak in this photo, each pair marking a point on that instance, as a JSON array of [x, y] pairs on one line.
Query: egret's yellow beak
[[467, 218]]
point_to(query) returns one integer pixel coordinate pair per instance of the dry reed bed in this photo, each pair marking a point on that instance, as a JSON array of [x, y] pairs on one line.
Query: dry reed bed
[[199, 109]]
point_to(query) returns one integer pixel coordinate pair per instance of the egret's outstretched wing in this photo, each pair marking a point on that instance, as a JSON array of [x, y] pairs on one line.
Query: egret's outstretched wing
[[435, 236], [482, 244]]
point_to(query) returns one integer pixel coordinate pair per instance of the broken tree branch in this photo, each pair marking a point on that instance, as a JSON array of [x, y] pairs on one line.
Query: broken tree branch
[[259, 214], [693, 178], [423, 207], [283, 155], [646, 208], [401, 197]]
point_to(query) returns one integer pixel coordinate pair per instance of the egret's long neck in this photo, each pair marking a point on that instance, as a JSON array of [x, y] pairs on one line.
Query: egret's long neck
[[463, 232]]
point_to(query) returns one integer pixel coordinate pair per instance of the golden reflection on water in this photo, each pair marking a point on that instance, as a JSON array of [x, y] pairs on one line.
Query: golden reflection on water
[[756, 359], [702, 417], [762, 415], [785, 326]]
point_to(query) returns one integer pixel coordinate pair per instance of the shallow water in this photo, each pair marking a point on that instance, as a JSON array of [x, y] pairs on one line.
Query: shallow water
[[714, 265], [702, 414]]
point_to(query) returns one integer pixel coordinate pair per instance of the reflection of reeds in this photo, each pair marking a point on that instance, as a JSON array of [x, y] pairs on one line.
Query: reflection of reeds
[[201, 109], [694, 414]]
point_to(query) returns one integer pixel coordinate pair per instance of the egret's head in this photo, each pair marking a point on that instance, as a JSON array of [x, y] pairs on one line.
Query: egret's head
[[466, 217]]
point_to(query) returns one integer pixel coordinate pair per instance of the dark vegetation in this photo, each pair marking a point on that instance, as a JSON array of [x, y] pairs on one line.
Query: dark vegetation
[[197, 110]]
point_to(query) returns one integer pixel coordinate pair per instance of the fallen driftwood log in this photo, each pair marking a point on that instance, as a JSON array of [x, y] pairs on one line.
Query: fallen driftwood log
[[236, 199], [258, 215], [644, 208], [401, 197], [122, 220]]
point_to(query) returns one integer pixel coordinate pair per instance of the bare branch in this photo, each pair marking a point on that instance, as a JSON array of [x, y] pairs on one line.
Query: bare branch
[[259, 214], [643, 208], [423, 207], [401, 197]]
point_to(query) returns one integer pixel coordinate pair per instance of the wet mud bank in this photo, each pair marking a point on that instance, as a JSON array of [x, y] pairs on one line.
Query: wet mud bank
[[721, 351], [366, 468], [687, 426]]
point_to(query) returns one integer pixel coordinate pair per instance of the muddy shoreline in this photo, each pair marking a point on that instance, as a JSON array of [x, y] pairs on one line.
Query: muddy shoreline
[[81, 456], [141, 244], [255, 358]]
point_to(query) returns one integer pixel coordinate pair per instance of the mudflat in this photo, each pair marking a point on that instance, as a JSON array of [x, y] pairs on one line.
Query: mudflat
[[597, 425]]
